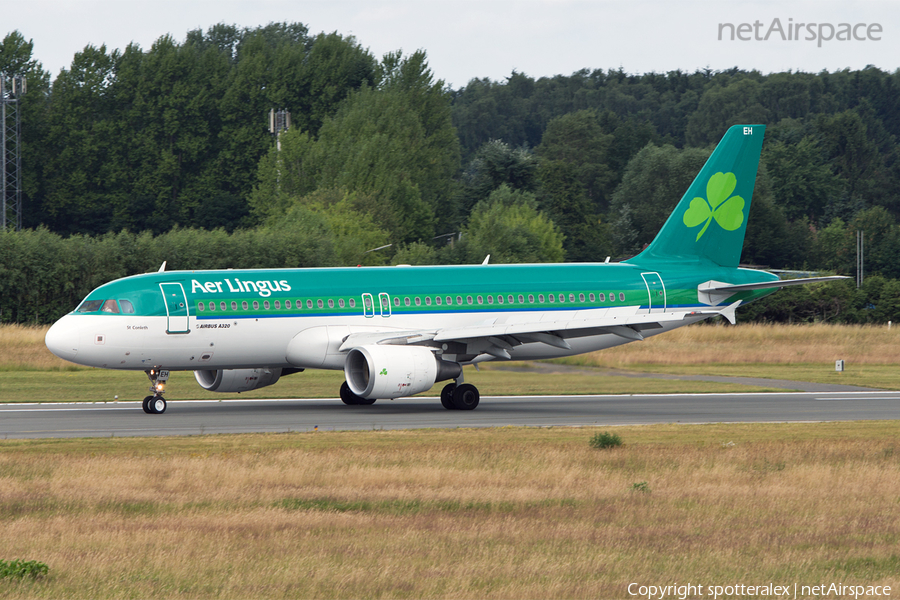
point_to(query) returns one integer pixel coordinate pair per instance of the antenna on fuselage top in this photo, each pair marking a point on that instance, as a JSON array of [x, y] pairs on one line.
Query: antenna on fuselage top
[[162, 267]]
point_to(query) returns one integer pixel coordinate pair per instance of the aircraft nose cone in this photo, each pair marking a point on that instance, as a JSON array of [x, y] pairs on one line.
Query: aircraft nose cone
[[62, 340]]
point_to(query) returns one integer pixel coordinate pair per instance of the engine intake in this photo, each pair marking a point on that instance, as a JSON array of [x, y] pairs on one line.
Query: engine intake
[[236, 380], [395, 371]]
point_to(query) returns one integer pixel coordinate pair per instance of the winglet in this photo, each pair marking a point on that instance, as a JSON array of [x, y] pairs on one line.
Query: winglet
[[486, 259], [162, 267]]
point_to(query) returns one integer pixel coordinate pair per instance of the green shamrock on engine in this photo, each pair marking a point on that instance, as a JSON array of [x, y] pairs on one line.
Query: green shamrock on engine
[[728, 212]]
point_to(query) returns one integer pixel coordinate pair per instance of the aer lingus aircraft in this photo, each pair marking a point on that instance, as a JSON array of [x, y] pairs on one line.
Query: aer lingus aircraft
[[396, 331]]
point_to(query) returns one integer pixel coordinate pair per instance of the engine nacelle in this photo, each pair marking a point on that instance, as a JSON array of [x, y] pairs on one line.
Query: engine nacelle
[[236, 380], [395, 371]]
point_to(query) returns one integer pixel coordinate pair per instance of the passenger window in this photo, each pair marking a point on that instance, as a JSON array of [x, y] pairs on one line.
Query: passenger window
[[427, 300], [612, 296], [234, 305], [244, 305], [309, 304], [521, 299], [592, 297], [110, 306], [449, 301], [551, 298], [396, 300], [255, 305], [320, 304], [500, 298], [511, 299], [212, 306], [541, 298], [437, 300], [602, 297], [287, 303], [480, 300], [330, 303], [571, 297], [266, 304], [622, 296], [459, 299], [277, 304], [341, 303], [127, 307], [406, 301], [418, 301], [581, 297], [469, 299], [562, 297], [490, 299], [352, 302], [223, 306], [201, 306], [530, 298]]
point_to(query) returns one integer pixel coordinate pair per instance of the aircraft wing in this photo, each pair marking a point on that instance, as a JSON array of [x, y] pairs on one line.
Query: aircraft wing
[[499, 337]]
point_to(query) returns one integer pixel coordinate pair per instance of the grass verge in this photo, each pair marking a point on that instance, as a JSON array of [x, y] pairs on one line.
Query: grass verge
[[497, 513]]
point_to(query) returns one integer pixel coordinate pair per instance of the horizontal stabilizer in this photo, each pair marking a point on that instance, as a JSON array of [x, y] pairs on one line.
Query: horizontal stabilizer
[[714, 292]]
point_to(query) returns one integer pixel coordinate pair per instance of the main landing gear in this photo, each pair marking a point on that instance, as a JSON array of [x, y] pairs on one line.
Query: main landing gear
[[156, 404], [460, 397], [351, 399], [464, 396]]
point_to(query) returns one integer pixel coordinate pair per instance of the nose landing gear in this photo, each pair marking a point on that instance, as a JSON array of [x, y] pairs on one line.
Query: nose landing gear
[[156, 404]]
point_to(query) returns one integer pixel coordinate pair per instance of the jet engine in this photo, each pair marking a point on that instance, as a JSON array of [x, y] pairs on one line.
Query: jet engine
[[236, 380], [395, 371]]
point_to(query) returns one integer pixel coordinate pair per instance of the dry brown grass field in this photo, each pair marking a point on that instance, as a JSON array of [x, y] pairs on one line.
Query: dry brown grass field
[[497, 513], [708, 344], [23, 347]]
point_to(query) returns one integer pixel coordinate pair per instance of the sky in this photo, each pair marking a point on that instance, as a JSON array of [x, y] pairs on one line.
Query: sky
[[467, 39]]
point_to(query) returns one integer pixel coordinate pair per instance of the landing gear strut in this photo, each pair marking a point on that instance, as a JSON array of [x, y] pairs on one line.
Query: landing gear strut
[[156, 404]]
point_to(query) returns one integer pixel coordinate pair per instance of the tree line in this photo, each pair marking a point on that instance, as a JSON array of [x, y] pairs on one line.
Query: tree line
[[172, 143]]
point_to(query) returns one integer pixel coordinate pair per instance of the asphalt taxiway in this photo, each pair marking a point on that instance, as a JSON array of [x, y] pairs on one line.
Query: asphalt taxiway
[[117, 419]]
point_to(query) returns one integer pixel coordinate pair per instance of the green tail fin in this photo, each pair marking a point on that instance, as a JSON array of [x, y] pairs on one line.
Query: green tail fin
[[710, 221]]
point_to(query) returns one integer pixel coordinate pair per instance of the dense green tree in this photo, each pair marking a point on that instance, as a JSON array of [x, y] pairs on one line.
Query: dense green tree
[[654, 182], [497, 163], [392, 146], [578, 141], [416, 253], [723, 106], [802, 181], [509, 227]]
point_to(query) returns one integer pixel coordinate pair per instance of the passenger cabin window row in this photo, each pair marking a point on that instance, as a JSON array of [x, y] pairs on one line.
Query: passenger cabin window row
[[320, 303]]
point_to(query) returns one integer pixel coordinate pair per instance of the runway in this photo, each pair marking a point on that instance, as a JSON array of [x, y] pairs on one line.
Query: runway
[[122, 419]]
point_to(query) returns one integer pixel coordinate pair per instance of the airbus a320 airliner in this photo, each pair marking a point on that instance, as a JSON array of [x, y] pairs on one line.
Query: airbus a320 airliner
[[396, 331]]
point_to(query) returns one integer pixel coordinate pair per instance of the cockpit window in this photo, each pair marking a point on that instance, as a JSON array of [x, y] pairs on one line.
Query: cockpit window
[[127, 307], [90, 306], [110, 306]]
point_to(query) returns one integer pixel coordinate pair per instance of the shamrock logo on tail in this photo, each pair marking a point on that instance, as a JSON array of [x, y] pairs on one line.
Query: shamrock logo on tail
[[728, 212]]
